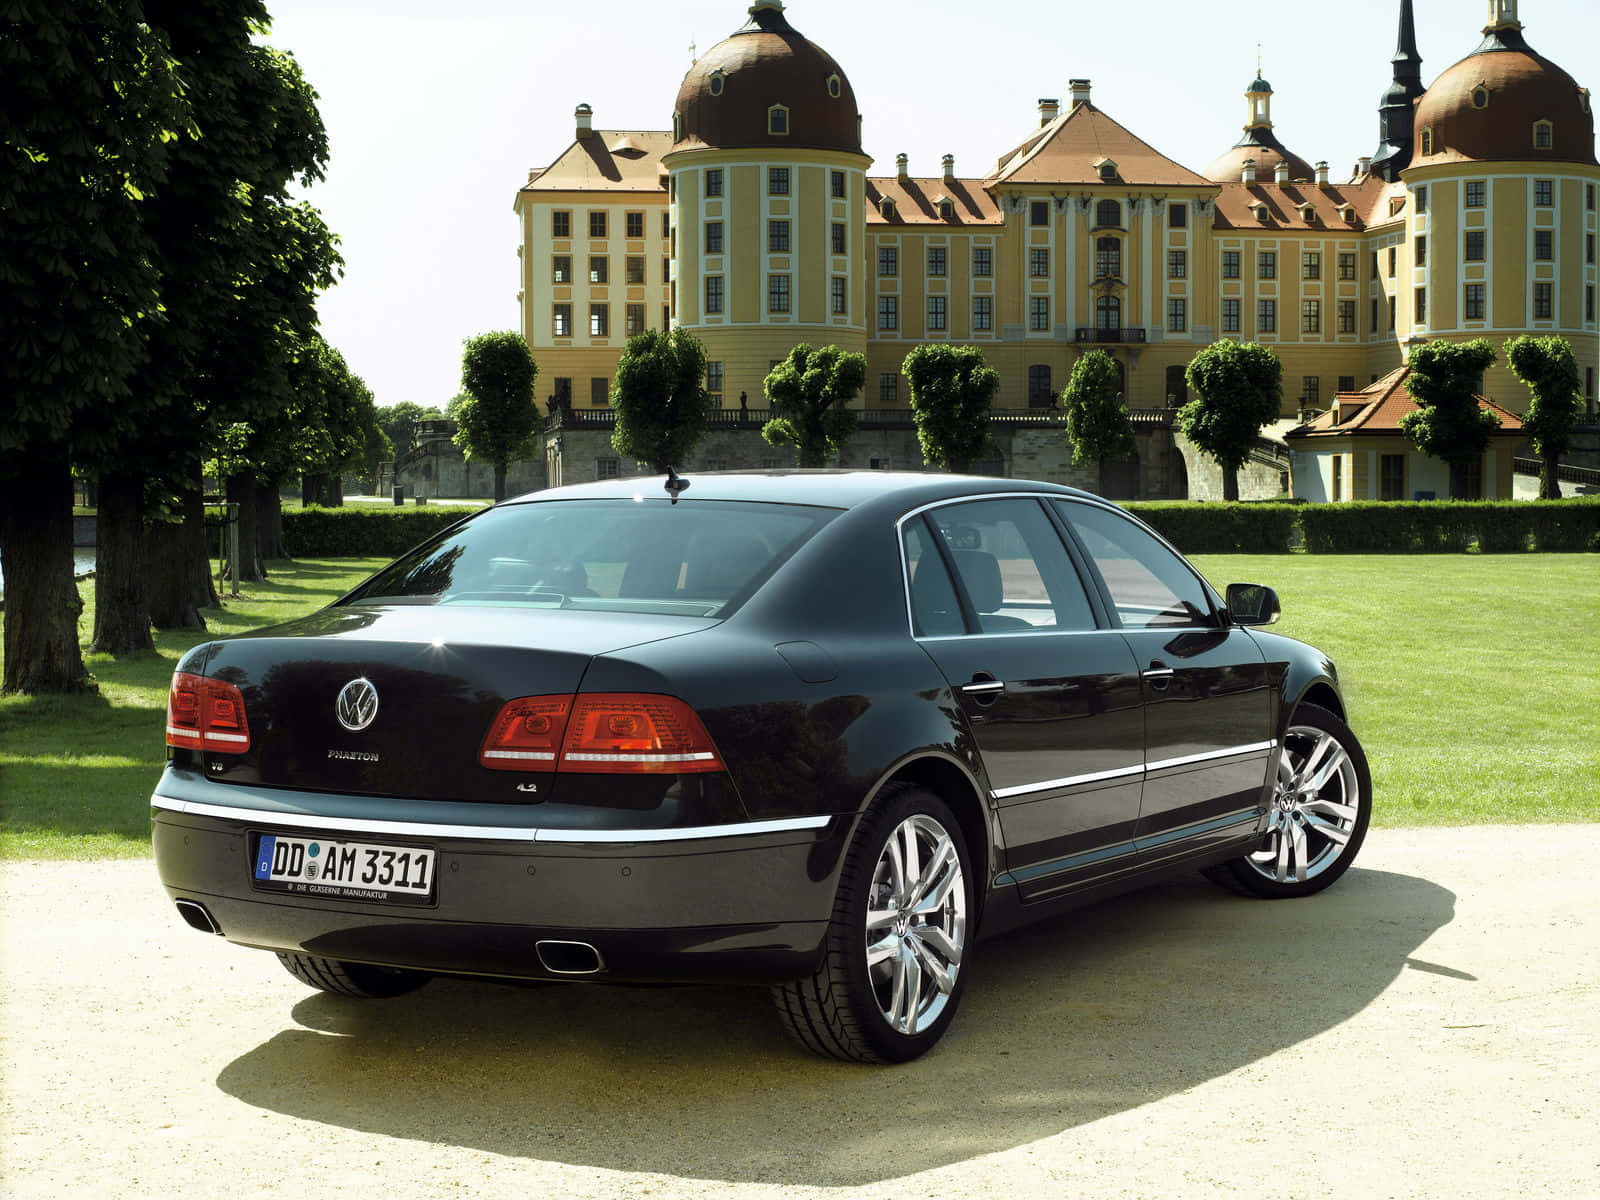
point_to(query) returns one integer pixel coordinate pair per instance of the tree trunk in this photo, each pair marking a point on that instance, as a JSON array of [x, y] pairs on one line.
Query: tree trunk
[[499, 482], [960, 466], [1230, 483], [180, 567], [324, 490], [1549, 483], [42, 604], [269, 522], [121, 609], [242, 491]]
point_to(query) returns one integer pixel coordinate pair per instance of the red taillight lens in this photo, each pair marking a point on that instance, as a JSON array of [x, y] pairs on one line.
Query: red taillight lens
[[624, 732], [607, 732], [206, 714], [526, 736]]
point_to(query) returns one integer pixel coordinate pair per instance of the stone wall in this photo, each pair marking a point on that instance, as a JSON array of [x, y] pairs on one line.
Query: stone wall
[[1257, 481], [443, 472]]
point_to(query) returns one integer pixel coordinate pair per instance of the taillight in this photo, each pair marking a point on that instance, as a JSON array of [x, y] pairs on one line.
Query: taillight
[[526, 735], [606, 732], [206, 714]]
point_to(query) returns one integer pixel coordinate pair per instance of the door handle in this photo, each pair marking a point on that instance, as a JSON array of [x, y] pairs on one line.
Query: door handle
[[1158, 675], [985, 687]]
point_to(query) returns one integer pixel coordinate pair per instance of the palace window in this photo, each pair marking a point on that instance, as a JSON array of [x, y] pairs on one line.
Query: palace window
[[888, 389], [888, 261], [778, 121], [1543, 243], [777, 181], [713, 293], [599, 320], [1107, 258], [777, 293], [713, 377], [633, 319], [1039, 385], [777, 237], [1311, 390], [713, 237], [1311, 265], [1472, 302], [1108, 312], [1543, 301], [1230, 316], [1419, 306], [1394, 257], [1038, 262], [714, 181], [1178, 216], [666, 226], [982, 262], [1543, 135], [1347, 265], [1230, 264], [837, 233], [1419, 252], [839, 296], [1108, 213], [1039, 212], [1177, 315], [561, 224], [1420, 199], [714, 85], [1266, 316], [937, 260], [1039, 313], [1544, 193], [1427, 141], [561, 269], [563, 315], [1347, 316], [1475, 193], [635, 268], [982, 313], [597, 224], [633, 224], [599, 268], [1177, 264], [836, 184], [888, 312], [1311, 316], [936, 313], [599, 390], [1472, 246], [1347, 383], [1267, 265]]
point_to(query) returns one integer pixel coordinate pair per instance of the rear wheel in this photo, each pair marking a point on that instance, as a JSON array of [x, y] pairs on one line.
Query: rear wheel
[[1320, 808], [891, 976], [362, 980]]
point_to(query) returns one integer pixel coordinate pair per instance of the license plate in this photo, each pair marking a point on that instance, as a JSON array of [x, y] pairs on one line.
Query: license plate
[[344, 870]]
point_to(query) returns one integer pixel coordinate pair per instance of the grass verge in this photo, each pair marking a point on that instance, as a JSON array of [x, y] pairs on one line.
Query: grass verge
[[76, 771], [1471, 681]]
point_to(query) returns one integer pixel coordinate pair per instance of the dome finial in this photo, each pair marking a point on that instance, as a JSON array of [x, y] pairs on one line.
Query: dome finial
[[1502, 15]]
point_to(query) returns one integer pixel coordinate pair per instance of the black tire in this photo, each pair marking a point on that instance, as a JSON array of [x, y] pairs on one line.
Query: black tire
[[1311, 820], [839, 1011], [361, 980]]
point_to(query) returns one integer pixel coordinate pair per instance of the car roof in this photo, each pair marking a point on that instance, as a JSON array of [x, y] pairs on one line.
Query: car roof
[[830, 488]]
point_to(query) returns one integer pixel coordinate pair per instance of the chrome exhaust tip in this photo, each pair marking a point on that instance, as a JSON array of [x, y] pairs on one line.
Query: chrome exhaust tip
[[569, 958], [196, 916]]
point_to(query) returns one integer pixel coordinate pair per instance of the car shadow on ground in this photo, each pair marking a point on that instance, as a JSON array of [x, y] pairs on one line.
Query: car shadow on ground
[[1062, 1024]]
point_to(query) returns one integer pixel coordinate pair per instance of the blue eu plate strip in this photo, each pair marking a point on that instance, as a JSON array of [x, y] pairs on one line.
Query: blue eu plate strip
[[264, 856]]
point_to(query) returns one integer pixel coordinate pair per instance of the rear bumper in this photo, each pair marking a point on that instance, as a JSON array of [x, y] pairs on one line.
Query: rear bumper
[[736, 903]]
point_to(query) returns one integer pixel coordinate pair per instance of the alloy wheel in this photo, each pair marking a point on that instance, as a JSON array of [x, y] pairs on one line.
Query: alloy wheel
[[916, 924], [1315, 807]]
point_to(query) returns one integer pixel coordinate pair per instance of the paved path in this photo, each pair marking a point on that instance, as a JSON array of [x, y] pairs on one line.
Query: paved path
[[1430, 1028]]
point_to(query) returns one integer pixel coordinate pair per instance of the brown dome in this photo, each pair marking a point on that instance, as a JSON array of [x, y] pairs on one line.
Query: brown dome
[[1261, 145], [726, 96], [1484, 108]]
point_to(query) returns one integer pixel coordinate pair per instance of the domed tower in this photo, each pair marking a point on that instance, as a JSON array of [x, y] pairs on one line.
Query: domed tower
[[1395, 110], [767, 191], [1259, 143], [1503, 184]]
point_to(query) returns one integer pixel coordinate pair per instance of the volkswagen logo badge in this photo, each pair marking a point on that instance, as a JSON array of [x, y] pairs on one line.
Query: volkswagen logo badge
[[357, 704]]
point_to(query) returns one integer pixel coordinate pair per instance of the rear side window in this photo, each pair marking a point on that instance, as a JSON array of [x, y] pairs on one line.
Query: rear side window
[[1150, 586], [935, 611], [1012, 566], [649, 556]]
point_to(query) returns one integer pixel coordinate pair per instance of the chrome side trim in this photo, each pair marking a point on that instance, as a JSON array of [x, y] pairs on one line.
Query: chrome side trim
[[1071, 781], [1209, 755], [508, 833], [1046, 785]]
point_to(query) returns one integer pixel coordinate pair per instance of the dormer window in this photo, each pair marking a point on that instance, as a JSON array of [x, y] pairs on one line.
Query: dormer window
[[1260, 210], [778, 120], [1308, 214], [1544, 135], [947, 208], [1480, 97], [1348, 212], [886, 208], [1427, 141], [714, 84], [835, 86], [1107, 169]]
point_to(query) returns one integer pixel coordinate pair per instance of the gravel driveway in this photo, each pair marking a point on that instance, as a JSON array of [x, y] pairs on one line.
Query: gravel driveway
[[1430, 1027]]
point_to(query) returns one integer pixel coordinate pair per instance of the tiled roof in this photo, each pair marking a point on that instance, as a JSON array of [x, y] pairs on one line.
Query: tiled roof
[[1067, 149], [1378, 409], [1235, 207], [916, 202], [611, 160]]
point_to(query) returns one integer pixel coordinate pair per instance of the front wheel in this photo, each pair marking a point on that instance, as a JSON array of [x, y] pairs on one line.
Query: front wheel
[[1321, 804], [362, 980], [891, 974]]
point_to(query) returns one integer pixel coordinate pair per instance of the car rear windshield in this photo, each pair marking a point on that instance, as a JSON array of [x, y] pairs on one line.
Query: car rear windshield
[[698, 559]]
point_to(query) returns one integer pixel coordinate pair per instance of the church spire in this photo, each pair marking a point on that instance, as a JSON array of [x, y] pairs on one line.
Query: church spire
[[1395, 128]]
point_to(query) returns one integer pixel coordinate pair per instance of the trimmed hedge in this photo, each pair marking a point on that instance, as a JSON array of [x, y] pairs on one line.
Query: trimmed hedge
[[1444, 526], [1253, 528], [363, 532]]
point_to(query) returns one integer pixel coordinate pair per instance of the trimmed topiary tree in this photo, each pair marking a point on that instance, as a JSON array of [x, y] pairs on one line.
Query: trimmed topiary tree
[[1097, 418], [952, 388], [1547, 366], [807, 393], [1238, 389], [660, 397], [1449, 424], [498, 416]]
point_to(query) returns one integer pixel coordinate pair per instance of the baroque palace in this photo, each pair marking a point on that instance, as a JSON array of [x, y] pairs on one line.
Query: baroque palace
[[755, 224]]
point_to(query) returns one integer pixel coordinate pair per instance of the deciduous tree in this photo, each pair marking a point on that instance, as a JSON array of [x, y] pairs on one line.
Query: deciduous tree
[[952, 389], [1238, 389], [498, 416], [807, 393], [1547, 366], [1449, 423], [660, 396], [1097, 418]]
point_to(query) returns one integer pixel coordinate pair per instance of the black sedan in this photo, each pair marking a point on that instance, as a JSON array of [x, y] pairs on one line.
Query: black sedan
[[815, 730]]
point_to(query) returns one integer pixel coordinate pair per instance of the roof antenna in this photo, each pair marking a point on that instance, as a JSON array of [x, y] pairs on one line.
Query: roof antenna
[[674, 485], [694, 55]]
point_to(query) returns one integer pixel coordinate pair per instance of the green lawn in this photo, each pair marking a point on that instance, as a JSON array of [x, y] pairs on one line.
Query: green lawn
[[76, 771], [1473, 681]]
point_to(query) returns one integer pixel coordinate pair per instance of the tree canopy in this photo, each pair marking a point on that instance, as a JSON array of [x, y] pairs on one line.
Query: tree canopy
[[1097, 419], [399, 423], [660, 397], [1449, 424], [1238, 389], [498, 416], [952, 389], [807, 393], [1548, 367]]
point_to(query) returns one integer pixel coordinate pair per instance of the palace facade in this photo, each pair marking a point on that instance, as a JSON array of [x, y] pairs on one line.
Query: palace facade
[[756, 224]]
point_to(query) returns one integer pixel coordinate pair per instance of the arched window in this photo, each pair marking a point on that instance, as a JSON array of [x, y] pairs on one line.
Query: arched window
[[1427, 141], [1108, 258], [1039, 385], [1108, 312], [778, 120], [1108, 213], [1543, 135]]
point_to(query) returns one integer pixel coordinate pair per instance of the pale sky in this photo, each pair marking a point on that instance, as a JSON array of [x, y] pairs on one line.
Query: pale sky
[[437, 108]]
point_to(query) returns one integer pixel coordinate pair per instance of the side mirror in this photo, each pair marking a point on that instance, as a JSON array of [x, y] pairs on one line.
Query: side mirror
[[1252, 604]]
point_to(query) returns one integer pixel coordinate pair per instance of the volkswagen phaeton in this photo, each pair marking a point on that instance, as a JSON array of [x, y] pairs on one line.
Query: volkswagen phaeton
[[817, 731]]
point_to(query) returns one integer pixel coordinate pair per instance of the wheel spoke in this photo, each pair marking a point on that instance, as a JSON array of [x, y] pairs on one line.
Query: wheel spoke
[[883, 949], [911, 992], [897, 989], [935, 939], [1336, 760], [897, 870], [1297, 837], [1314, 758], [1283, 856], [910, 861], [942, 979], [877, 918], [1321, 806], [1327, 829], [932, 874]]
